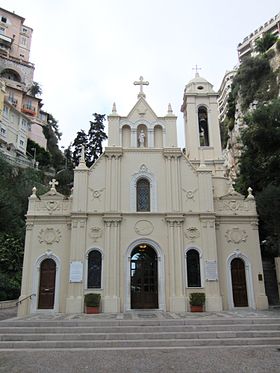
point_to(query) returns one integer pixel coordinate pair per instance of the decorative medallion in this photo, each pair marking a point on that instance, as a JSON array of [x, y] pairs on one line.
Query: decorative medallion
[[97, 193], [192, 233], [95, 233], [143, 227], [236, 235], [52, 205], [190, 193], [49, 235]]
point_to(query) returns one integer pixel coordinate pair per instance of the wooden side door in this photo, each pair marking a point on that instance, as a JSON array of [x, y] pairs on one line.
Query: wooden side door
[[47, 284], [238, 278]]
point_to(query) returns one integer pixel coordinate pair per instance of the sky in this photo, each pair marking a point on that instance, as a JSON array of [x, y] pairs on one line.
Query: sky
[[88, 53]]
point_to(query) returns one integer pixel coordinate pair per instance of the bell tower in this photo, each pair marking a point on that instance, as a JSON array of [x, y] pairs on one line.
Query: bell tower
[[202, 130]]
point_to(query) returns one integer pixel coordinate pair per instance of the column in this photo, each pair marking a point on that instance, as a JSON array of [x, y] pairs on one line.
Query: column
[[133, 138], [151, 140]]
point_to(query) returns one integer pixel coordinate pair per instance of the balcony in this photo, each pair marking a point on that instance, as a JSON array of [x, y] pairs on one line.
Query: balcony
[[28, 109], [12, 101], [5, 40]]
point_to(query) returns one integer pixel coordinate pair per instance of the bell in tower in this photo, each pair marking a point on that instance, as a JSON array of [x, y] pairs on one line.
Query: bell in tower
[[202, 130]]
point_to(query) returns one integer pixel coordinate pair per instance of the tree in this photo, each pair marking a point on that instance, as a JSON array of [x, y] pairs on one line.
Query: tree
[[80, 140], [260, 169], [35, 89], [92, 141], [268, 204], [52, 134], [266, 42], [11, 256], [260, 160], [96, 135], [254, 81]]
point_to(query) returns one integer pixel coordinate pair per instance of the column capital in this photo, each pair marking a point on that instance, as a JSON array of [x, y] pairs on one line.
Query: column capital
[[112, 220], [175, 220], [172, 153], [113, 152]]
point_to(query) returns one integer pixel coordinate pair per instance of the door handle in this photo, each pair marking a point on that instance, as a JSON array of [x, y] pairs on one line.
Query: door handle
[[46, 289]]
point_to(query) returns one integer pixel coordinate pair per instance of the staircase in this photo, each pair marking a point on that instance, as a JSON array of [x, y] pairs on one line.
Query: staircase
[[143, 334]]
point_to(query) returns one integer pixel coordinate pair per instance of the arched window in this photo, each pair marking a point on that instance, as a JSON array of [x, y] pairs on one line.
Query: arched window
[[193, 269], [143, 195], [11, 75], [94, 269], [203, 126]]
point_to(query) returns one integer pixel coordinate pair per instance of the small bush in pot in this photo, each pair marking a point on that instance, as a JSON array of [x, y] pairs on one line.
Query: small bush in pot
[[197, 301], [92, 303]]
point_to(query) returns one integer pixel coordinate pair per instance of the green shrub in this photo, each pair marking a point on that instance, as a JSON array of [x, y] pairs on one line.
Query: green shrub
[[278, 45], [197, 299], [92, 300]]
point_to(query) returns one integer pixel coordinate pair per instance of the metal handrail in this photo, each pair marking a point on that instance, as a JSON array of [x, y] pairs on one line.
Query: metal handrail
[[28, 297]]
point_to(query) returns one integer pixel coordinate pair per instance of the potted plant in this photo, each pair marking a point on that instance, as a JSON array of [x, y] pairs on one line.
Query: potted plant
[[197, 301], [92, 303]]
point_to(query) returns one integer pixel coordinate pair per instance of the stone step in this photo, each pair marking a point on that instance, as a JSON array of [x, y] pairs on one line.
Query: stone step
[[135, 329], [139, 336], [89, 322], [127, 344]]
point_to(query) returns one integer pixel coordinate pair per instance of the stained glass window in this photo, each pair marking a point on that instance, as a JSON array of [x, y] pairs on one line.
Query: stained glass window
[[143, 195], [94, 269], [193, 268]]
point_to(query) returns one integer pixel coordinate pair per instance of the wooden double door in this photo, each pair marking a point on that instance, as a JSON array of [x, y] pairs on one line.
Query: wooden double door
[[144, 278], [238, 279], [47, 284]]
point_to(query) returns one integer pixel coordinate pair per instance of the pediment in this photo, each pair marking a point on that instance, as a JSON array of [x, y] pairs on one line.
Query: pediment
[[142, 110], [232, 195], [52, 195]]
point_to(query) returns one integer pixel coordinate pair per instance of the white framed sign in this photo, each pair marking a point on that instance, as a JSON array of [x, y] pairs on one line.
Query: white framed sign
[[76, 272], [211, 270]]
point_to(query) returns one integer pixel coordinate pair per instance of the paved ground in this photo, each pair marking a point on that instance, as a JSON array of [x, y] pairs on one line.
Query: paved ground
[[194, 360], [8, 313], [216, 360], [142, 315]]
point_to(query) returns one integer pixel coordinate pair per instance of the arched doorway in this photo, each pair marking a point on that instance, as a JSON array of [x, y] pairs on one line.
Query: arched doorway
[[144, 277], [238, 279], [47, 284]]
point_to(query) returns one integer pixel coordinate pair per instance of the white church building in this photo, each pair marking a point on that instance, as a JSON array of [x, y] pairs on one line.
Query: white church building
[[148, 223]]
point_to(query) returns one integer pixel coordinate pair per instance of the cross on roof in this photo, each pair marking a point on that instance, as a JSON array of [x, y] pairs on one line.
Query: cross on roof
[[53, 183], [141, 82], [196, 68]]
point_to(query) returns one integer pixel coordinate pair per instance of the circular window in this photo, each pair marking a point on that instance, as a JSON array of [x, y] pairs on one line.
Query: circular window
[[200, 87]]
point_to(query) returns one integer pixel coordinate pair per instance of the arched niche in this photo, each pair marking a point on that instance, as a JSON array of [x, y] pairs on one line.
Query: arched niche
[[142, 136], [203, 126], [158, 136], [126, 136], [11, 75]]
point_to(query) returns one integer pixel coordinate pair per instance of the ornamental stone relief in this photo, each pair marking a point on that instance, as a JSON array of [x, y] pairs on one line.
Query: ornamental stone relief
[[143, 227], [95, 233], [190, 194], [49, 235], [236, 235], [234, 205], [192, 233], [97, 193], [52, 206]]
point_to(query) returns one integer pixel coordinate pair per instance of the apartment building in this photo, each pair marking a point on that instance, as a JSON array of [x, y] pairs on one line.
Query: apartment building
[[247, 46], [20, 117]]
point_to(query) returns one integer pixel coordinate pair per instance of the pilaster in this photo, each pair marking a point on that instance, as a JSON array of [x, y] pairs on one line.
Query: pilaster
[[175, 238], [111, 301]]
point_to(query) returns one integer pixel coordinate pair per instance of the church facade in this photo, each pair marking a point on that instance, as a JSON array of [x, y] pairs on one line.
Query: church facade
[[147, 224]]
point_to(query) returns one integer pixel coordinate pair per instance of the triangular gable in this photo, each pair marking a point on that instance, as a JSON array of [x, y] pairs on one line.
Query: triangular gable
[[142, 110]]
